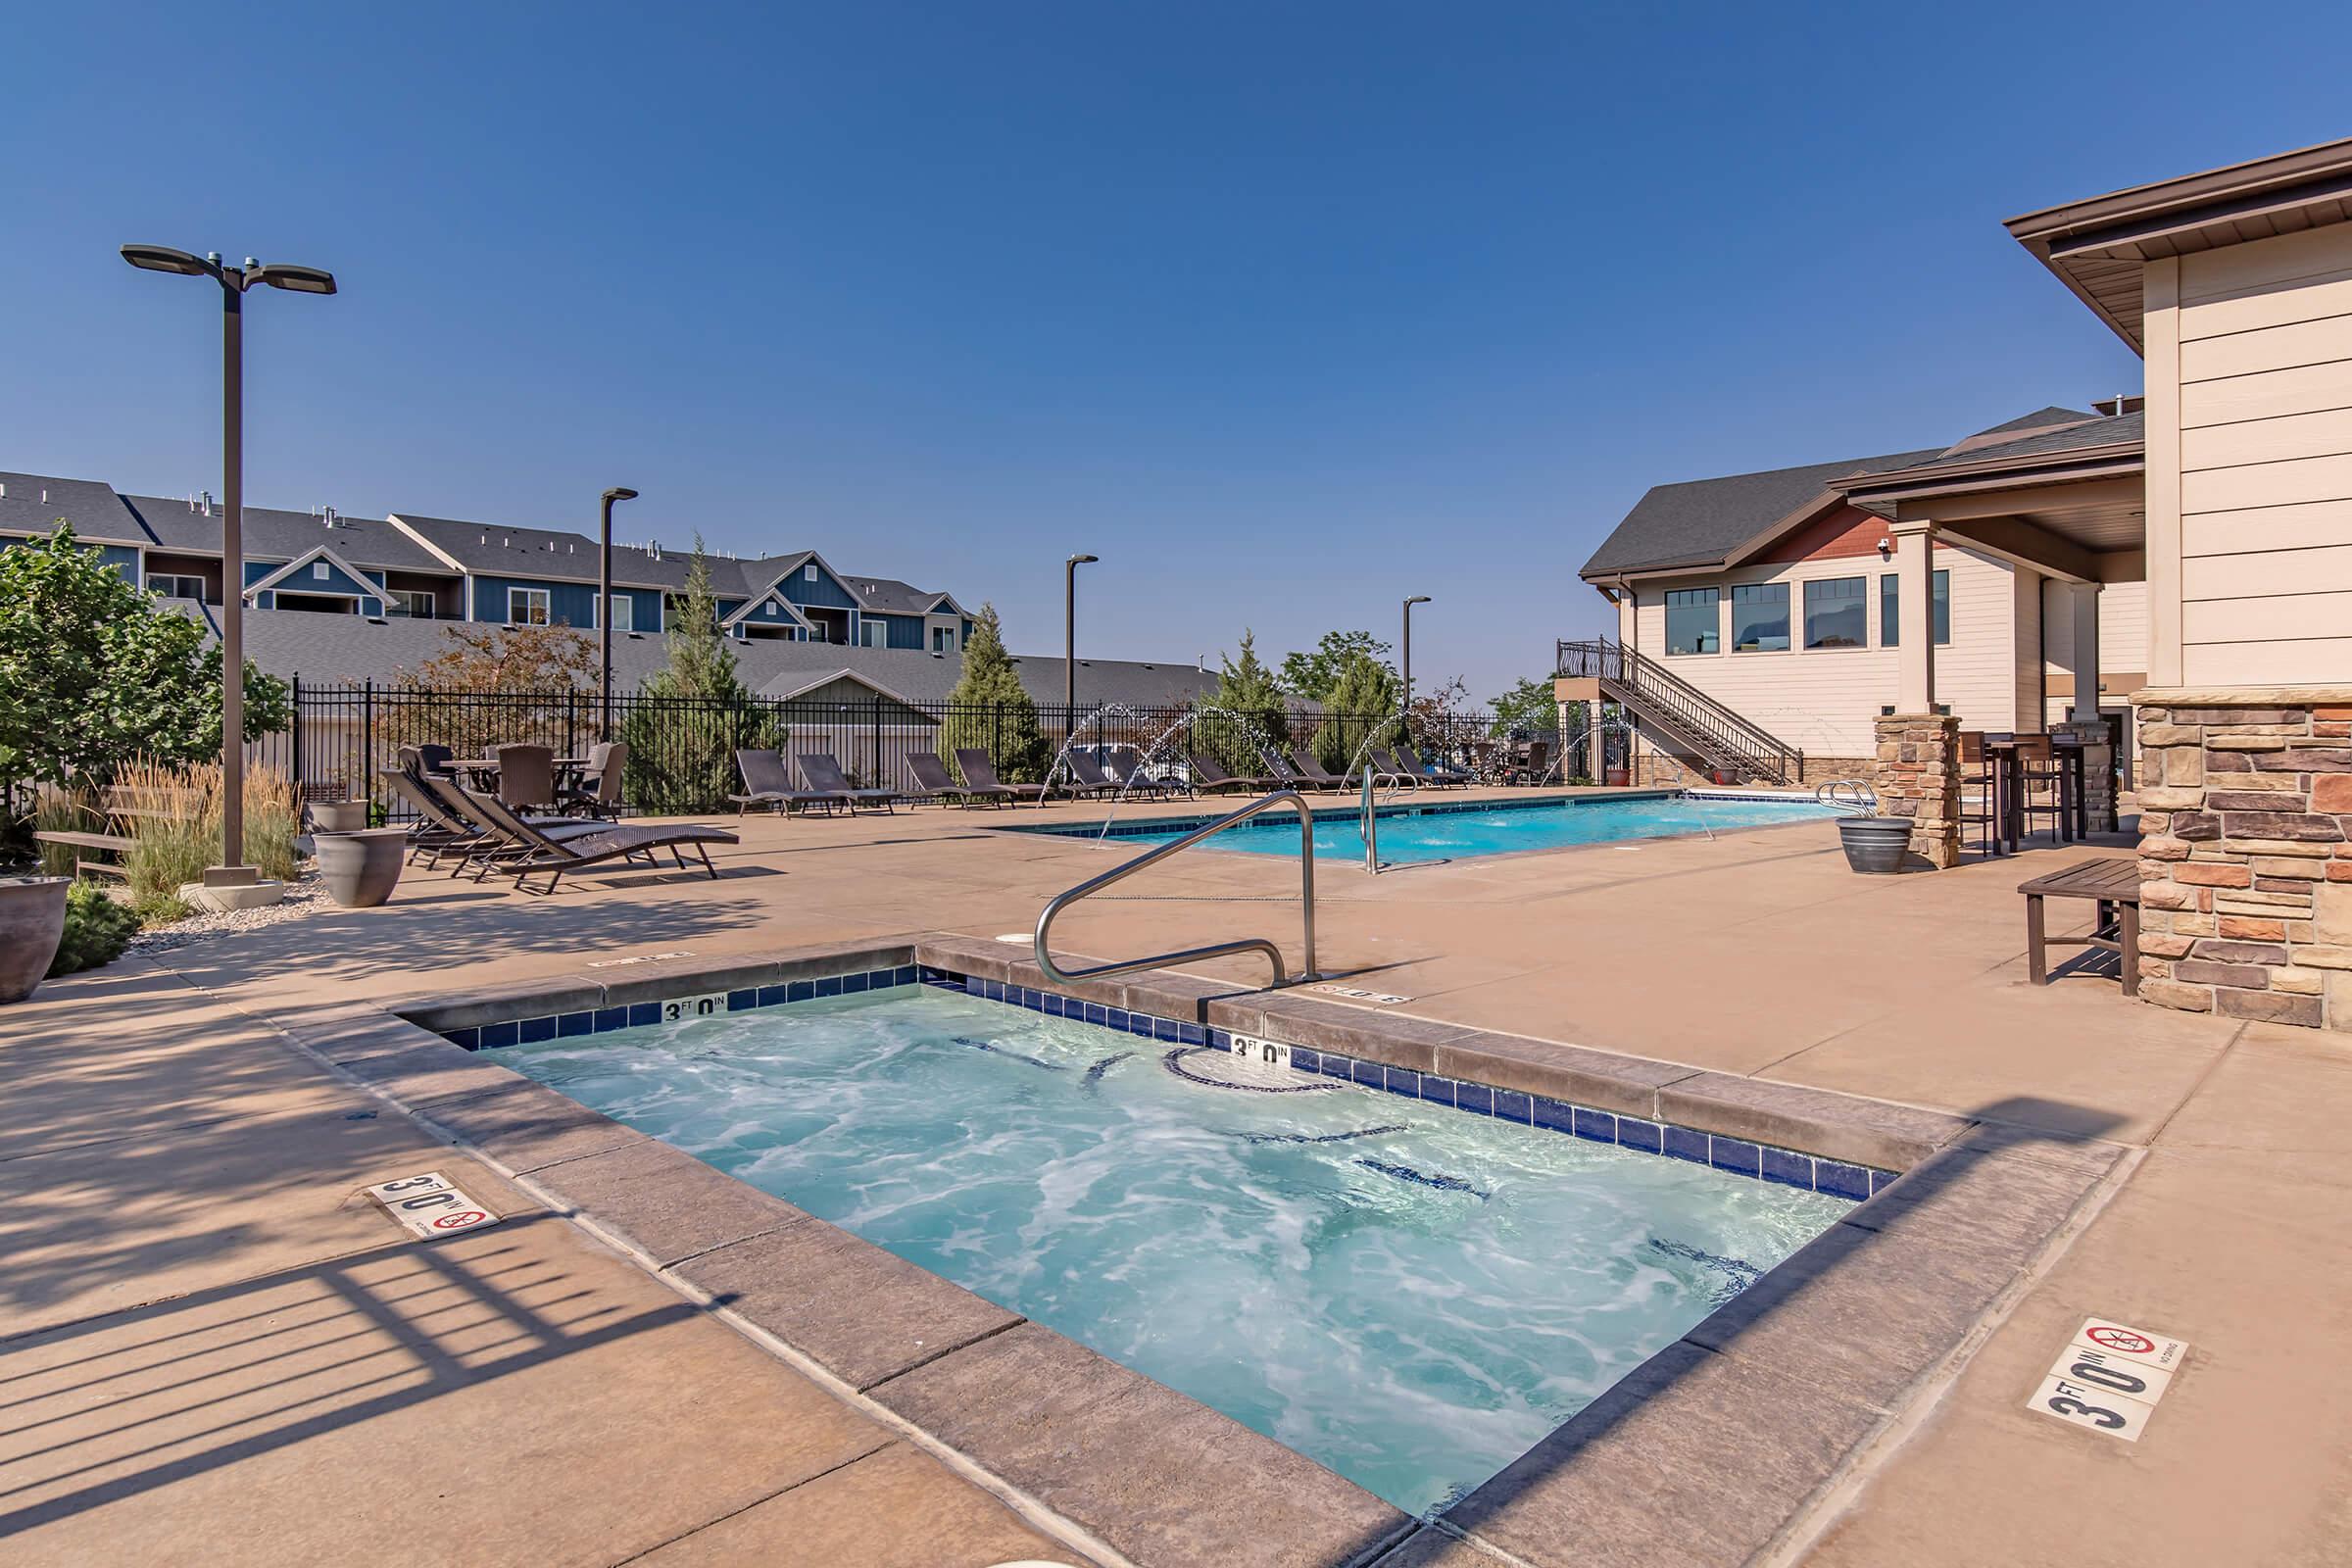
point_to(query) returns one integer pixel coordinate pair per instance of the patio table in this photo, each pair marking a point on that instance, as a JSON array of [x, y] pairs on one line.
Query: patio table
[[2112, 887]]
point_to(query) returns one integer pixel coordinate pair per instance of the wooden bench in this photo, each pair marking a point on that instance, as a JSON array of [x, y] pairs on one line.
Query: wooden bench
[[2113, 886], [114, 843]]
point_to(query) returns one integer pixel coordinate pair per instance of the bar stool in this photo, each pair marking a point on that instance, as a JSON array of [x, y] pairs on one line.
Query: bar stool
[[2042, 789], [1980, 792]]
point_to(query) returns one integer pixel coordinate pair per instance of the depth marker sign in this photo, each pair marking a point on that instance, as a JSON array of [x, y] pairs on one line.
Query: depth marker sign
[[428, 1207], [2110, 1378]]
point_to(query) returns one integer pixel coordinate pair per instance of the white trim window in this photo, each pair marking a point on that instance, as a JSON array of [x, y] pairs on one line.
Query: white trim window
[[809, 572], [526, 607], [419, 604], [321, 571], [623, 610], [872, 632], [176, 587]]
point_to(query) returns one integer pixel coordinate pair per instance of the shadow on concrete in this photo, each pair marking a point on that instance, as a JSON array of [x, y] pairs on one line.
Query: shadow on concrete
[[106, 1409], [1707, 1450]]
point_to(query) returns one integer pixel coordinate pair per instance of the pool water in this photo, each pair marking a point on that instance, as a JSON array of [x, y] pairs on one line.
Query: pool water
[[1409, 837], [1409, 1294]]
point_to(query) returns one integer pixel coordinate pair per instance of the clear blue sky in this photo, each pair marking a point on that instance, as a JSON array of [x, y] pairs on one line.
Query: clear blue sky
[[1284, 311]]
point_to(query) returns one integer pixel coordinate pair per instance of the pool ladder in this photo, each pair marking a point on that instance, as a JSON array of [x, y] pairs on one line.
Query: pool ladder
[[1120, 873]]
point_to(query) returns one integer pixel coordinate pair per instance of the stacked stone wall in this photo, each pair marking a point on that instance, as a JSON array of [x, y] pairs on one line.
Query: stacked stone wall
[[1917, 775]]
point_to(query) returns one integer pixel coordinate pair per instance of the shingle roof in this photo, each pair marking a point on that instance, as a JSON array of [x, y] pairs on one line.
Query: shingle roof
[[328, 648], [500, 549], [275, 535], [33, 502], [1698, 523], [891, 596], [2120, 429]]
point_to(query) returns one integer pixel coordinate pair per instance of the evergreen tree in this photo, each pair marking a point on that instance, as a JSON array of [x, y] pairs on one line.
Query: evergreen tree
[[1247, 688], [990, 710], [1363, 701], [692, 714]]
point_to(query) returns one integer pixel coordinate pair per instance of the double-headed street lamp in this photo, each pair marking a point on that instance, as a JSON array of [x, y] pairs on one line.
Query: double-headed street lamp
[[604, 611], [232, 870], [1069, 637]]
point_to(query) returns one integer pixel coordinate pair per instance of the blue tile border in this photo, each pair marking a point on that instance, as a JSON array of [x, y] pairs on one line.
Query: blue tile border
[[1737, 1156]]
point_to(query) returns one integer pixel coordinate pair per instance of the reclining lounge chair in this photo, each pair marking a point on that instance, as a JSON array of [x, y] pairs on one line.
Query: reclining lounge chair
[[544, 855], [766, 783], [822, 773], [981, 774]]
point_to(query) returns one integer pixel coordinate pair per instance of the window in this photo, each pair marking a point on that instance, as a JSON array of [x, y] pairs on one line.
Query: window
[[526, 607], [872, 633], [809, 572], [413, 602], [943, 639], [1759, 618], [178, 587], [818, 632], [320, 570], [624, 612], [1693, 621], [1890, 613], [1837, 612]]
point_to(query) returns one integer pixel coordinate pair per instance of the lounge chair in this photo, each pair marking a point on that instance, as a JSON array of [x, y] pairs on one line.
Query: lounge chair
[[1443, 776], [934, 782], [546, 854], [1312, 771], [981, 774], [598, 792], [766, 783], [489, 842], [1538, 767], [1087, 777], [1382, 762], [526, 775], [1208, 775], [823, 775], [1127, 767], [437, 830]]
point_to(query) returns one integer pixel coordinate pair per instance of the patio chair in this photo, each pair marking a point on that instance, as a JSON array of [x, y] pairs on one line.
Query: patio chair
[[981, 774], [1087, 777], [1312, 771], [526, 775], [934, 782], [1979, 792], [1382, 762], [432, 760], [1443, 776], [1208, 775], [437, 830], [490, 843], [766, 783], [1127, 767], [598, 792], [823, 775], [543, 853], [1537, 765]]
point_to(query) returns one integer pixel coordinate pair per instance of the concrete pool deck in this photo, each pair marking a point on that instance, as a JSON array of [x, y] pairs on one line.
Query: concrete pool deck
[[1756, 954]]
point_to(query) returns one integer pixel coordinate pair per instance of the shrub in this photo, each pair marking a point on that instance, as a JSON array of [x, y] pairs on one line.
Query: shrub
[[991, 710], [97, 930], [63, 810], [175, 816]]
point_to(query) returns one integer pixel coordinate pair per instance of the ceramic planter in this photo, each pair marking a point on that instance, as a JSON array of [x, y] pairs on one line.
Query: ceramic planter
[[338, 816], [1875, 846], [361, 869], [32, 921]]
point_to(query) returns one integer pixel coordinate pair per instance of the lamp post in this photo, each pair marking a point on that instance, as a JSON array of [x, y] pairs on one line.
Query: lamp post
[[232, 871], [1417, 599], [1069, 638], [604, 613]]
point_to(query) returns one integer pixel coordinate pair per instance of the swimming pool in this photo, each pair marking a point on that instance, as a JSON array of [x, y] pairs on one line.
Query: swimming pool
[[1409, 1293], [1430, 831]]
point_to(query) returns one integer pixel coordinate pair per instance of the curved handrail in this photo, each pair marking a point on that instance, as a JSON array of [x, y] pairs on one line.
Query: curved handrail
[[1850, 794], [1119, 873]]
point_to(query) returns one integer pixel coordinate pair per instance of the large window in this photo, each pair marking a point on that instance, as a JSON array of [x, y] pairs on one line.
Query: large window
[[1837, 613], [1693, 621], [943, 639], [623, 612], [1759, 618], [417, 603], [1890, 613], [176, 587], [526, 607], [872, 633]]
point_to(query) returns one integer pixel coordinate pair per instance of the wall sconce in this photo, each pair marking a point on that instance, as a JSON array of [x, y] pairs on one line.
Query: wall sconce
[[1886, 548]]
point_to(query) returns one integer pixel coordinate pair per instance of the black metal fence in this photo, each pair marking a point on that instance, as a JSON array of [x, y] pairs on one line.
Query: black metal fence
[[681, 750]]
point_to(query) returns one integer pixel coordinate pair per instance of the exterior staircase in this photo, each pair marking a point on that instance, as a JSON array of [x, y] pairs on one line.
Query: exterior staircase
[[1679, 718]]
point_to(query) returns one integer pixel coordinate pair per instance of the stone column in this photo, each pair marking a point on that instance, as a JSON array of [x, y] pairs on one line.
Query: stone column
[[2245, 868], [2098, 769], [1918, 776]]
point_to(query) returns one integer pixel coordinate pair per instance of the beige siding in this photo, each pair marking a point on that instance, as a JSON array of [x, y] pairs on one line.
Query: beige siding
[[2263, 427], [2123, 628], [1824, 699]]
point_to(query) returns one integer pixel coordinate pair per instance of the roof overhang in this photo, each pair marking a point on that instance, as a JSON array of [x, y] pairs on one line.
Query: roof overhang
[[813, 682], [2099, 247], [2078, 515]]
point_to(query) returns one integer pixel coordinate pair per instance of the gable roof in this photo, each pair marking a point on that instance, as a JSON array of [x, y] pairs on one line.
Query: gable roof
[[2122, 431], [31, 504], [177, 523], [500, 549], [273, 579]]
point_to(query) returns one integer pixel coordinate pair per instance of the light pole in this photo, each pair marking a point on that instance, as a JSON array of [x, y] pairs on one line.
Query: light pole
[[604, 612], [1069, 638], [1417, 599], [232, 871]]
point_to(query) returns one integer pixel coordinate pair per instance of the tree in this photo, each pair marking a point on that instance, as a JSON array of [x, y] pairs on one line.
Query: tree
[[1528, 706], [538, 676], [1362, 705], [691, 716], [991, 710], [1250, 689], [93, 673], [1315, 675]]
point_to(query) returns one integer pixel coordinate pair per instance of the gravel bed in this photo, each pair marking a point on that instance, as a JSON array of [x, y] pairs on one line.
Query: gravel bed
[[305, 896]]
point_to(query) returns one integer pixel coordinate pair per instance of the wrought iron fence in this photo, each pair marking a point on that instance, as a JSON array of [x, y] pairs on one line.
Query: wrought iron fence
[[681, 750]]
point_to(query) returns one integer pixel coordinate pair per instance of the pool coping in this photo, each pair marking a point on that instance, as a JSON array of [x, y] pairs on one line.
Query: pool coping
[[1714, 1449]]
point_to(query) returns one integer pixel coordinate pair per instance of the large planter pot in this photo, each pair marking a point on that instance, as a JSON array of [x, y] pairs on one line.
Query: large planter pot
[[32, 921], [361, 869], [338, 816], [1875, 846]]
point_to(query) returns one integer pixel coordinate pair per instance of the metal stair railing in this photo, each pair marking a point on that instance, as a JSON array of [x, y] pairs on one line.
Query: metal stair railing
[[1721, 734], [1120, 873]]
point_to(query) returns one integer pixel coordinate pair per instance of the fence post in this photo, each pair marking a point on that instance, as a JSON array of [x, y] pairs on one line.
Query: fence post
[[875, 760], [298, 776], [571, 743], [367, 743], [996, 730]]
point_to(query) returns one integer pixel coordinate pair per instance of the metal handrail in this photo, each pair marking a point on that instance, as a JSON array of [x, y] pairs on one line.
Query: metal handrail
[[1706, 718], [1119, 873], [1368, 826]]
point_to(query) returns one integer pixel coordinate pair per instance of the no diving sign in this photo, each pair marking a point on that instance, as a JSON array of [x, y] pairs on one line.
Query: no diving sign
[[2109, 1378], [427, 1206]]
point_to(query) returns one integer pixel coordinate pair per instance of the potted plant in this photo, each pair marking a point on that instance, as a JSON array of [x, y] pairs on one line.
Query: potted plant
[[361, 869], [1875, 845], [33, 921], [338, 816]]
